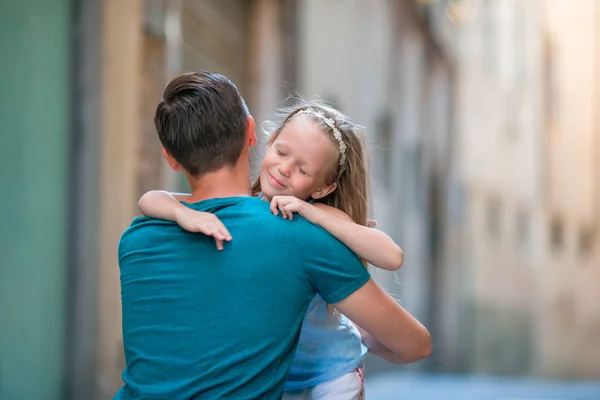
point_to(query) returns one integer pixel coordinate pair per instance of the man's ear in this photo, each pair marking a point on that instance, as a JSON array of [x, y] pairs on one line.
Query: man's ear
[[172, 162], [324, 191], [250, 131]]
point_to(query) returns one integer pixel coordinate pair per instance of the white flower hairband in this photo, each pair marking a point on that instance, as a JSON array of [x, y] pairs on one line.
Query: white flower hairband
[[336, 134]]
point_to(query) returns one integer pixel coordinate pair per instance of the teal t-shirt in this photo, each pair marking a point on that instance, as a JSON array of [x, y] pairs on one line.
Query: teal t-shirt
[[199, 323]]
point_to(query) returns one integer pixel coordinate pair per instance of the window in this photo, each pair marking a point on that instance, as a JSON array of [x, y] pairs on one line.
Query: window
[[586, 241], [383, 128], [154, 17], [522, 230], [549, 85], [493, 219], [556, 234]]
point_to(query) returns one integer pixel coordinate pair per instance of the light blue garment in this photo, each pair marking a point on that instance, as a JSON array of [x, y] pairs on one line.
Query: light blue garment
[[330, 346]]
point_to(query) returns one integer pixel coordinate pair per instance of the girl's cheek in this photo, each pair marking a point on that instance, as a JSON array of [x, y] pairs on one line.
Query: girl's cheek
[[309, 180]]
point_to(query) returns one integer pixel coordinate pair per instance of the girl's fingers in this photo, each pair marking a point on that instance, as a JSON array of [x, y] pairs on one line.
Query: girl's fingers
[[218, 233], [273, 207], [282, 209], [226, 234], [224, 231], [218, 240], [289, 211]]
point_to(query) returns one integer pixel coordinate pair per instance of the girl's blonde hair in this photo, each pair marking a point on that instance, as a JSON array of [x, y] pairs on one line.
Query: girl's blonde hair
[[351, 193]]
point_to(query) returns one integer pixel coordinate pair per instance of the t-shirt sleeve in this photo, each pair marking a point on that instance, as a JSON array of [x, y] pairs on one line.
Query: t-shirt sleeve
[[333, 269]]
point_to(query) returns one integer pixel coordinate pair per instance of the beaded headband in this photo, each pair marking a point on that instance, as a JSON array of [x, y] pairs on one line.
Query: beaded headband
[[336, 134]]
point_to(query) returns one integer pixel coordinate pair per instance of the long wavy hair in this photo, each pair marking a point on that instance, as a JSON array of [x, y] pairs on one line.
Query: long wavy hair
[[351, 193]]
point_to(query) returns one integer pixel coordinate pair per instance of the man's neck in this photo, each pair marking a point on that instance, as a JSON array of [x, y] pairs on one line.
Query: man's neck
[[226, 182]]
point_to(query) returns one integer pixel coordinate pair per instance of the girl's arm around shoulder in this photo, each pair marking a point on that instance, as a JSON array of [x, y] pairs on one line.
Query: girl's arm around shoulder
[[164, 205], [371, 244]]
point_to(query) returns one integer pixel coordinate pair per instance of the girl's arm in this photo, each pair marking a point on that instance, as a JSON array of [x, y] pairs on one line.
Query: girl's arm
[[164, 205], [372, 245]]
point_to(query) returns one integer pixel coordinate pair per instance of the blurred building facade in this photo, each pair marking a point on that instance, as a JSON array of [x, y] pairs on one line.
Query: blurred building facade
[[499, 156], [527, 152], [485, 165], [569, 322]]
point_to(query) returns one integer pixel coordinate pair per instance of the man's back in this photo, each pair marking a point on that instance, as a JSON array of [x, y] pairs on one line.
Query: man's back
[[198, 322]]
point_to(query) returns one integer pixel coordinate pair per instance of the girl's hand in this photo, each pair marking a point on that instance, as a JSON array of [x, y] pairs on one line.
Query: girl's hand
[[203, 222], [288, 205]]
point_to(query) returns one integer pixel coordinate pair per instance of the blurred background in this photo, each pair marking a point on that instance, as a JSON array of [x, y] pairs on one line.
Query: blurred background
[[485, 140]]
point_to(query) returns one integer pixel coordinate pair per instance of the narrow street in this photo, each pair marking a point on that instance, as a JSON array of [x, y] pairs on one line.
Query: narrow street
[[402, 386]]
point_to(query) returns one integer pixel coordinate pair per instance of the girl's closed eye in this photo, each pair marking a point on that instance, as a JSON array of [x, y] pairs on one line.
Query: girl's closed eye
[[303, 172]]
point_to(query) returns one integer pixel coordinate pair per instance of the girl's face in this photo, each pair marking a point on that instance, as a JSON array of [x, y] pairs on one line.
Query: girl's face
[[299, 161]]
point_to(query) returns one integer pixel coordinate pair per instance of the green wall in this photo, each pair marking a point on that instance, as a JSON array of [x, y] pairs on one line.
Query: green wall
[[34, 160]]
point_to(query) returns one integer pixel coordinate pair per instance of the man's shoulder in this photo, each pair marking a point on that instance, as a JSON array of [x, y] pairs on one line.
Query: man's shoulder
[[315, 236], [142, 231], [145, 224], [307, 228], [225, 204], [299, 230]]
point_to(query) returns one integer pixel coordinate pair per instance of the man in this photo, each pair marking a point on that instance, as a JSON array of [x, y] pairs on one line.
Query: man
[[204, 323]]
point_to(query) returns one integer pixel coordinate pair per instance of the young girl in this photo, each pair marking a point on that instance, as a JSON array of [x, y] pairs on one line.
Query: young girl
[[315, 165]]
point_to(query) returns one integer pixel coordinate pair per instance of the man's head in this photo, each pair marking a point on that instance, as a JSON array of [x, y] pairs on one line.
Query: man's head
[[203, 123]]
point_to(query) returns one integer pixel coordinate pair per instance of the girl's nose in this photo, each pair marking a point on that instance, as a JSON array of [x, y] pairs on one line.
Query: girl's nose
[[285, 169]]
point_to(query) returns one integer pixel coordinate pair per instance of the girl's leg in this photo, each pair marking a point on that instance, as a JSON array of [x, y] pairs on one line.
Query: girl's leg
[[346, 387]]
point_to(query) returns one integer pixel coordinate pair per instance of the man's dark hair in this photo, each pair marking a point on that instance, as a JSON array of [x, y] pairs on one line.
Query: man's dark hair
[[202, 122]]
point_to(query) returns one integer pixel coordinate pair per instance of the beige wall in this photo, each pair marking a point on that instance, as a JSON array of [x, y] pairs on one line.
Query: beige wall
[[265, 68], [242, 40], [544, 166], [499, 133], [498, 147], [503, 274], [344, 54], [500, 161], [153, 76], [571, 32], [569, 324], [120, 108]]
